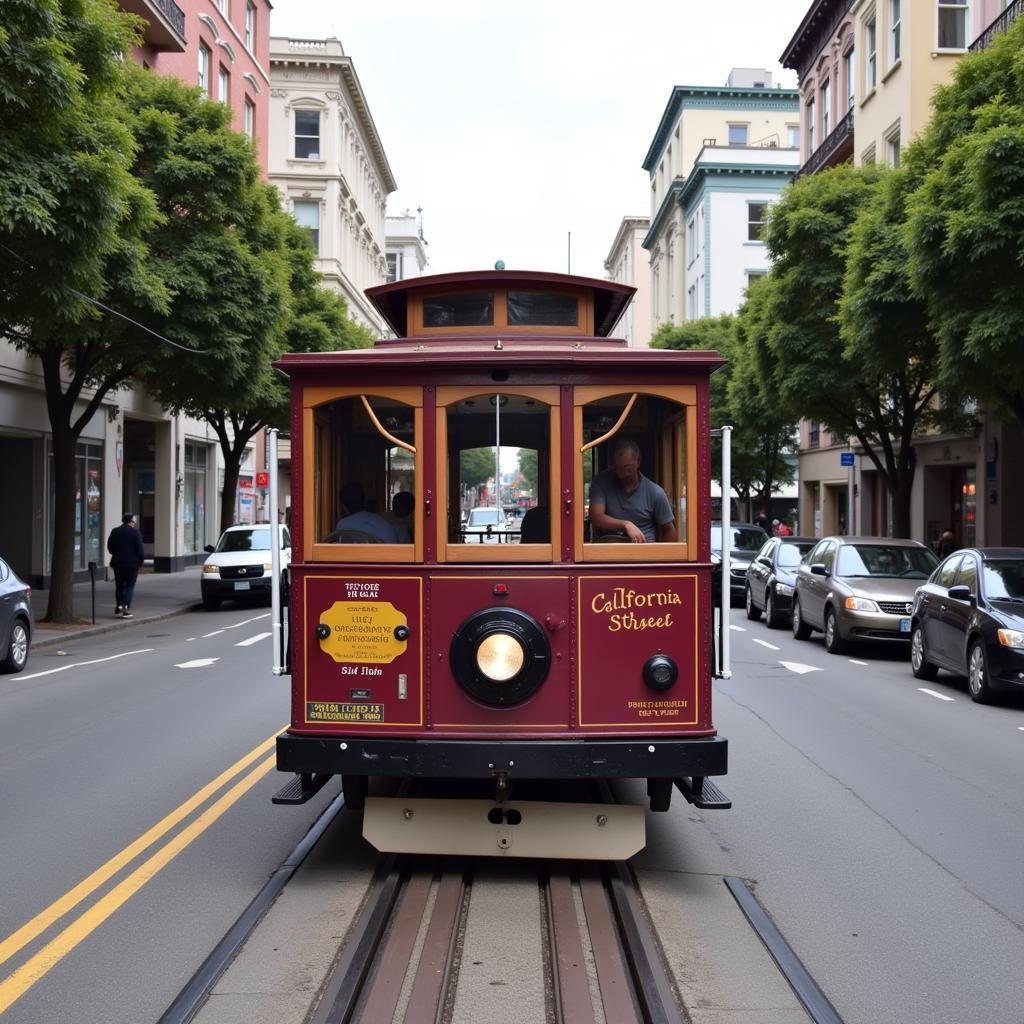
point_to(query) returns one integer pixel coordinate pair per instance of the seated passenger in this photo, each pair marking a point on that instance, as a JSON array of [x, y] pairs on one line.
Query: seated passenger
[[623, 500], [355, 519], [535, 527], [400, 516]]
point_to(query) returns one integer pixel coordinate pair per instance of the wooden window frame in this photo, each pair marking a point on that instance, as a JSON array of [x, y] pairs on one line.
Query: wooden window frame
[[683, 395], [314, 551], [489, 553]]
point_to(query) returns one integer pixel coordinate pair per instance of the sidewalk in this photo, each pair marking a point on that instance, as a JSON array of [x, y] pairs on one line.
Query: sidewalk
[[157, 596]]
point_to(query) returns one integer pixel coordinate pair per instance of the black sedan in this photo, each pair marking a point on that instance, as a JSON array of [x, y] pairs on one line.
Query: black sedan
[[771, 578], [747, 539], [15, 620], [969, 618]]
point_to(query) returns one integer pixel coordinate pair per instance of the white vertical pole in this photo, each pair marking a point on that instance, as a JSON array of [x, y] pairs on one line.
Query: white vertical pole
[[850, 527], [726, 595], [497, 451], [275, 556]]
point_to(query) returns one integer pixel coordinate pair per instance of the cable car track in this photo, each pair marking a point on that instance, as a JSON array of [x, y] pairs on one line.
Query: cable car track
[[403, 959]]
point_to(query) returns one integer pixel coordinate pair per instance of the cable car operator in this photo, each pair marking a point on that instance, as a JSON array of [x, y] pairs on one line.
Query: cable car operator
[[623, 500]]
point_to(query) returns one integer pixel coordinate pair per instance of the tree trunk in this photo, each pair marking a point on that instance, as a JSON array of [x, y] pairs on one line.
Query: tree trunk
[[232, 465], [60, 604]]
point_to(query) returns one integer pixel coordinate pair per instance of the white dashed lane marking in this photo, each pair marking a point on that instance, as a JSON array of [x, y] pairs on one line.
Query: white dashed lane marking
[[198, 663], [80, 664], [854, 661], [932, 693], [764, 643], [252, 640], [739, 629]]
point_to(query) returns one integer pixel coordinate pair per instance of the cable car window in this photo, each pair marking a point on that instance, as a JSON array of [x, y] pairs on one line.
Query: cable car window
[[460, 309], [635, 475], [542, 309], [364, 472], [499, 477]]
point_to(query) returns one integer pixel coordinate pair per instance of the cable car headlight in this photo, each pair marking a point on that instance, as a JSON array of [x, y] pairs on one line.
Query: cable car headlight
[[660, 672], [500, 656]]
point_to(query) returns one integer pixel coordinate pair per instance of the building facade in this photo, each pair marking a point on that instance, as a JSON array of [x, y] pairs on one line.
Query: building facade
[[328, 161], [627, 263], [406, 248], [737, 131], [867, 70]]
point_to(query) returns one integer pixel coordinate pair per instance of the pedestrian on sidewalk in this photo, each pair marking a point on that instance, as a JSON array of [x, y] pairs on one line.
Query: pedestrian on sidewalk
[[126, 558]]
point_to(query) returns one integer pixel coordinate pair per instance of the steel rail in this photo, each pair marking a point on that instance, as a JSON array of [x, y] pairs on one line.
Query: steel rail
[[191, 998], [806, 989]]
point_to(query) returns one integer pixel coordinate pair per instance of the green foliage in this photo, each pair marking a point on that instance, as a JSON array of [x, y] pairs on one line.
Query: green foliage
[[72, 219], [965, 224], [762, 434], [476, 466], [528, 468]]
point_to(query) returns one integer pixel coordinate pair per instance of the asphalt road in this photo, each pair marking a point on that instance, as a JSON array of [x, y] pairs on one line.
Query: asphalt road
[[100, 743], [881, 820]]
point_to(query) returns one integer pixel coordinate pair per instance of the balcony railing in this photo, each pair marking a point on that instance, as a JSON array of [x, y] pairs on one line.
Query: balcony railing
[[1001, 24], [174, 14], [835, 138]]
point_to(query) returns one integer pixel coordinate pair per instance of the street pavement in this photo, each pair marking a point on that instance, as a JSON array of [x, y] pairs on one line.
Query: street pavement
[[157, 596]]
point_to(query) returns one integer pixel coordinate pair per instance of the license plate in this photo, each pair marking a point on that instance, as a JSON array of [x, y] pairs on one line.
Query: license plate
[[242, 585], [904, 625]]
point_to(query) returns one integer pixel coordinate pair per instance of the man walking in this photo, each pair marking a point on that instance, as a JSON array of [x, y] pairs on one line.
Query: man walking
[[126, 558]]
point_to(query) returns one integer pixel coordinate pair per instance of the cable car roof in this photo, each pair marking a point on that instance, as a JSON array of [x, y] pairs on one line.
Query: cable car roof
[[609, 298]]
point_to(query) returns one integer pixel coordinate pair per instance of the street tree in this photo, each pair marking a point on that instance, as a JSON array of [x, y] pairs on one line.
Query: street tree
[[72, 220], [887, 336], [761, 436], [239, 271], [965, 224], [865, 386]]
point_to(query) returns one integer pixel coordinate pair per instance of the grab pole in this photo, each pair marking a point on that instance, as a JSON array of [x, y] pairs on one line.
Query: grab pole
[[275, 556]]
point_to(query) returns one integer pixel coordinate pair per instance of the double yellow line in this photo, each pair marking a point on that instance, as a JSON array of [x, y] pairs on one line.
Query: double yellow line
[[13, 987]]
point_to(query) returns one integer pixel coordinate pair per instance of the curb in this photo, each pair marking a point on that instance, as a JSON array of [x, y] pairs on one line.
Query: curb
[[107, 627]]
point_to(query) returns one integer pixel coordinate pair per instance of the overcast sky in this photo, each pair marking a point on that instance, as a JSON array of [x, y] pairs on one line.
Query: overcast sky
[[514, 125]]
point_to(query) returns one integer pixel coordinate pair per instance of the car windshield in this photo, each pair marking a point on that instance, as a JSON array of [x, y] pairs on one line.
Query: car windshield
[[1004, 579], [743, 537], [486, 517], [245, 540], [790, 553], [885, 560]]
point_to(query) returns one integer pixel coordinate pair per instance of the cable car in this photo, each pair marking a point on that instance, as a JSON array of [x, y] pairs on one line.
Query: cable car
[[433, 636]]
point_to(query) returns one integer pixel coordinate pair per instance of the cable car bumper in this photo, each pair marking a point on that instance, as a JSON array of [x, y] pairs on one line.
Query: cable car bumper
[[641, 758]]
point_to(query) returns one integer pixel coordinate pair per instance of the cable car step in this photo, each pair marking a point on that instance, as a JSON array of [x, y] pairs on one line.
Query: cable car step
[[302, 788], [703, 793]]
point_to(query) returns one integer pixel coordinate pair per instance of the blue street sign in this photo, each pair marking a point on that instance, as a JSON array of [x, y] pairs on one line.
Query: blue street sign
[[846, 458]]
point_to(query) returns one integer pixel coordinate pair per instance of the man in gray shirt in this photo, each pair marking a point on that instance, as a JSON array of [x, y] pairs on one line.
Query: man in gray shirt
[[623, 500]]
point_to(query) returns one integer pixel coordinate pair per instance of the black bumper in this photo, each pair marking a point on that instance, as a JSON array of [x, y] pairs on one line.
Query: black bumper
[[226, 588], [650, 758]]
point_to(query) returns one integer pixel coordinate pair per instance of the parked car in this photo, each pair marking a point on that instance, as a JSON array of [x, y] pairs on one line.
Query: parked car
[[747, 539], [484, 525], [969, 618], [859, 588], [771, 578], [16, 622], [239, 566]]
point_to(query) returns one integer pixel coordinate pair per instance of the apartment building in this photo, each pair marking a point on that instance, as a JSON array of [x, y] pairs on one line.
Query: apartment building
[[627, 263], [328, 161], [719, 158], [867, 70]]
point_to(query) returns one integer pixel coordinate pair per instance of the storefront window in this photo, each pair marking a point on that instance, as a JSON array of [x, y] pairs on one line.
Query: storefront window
[[195, 498], [89, 543]]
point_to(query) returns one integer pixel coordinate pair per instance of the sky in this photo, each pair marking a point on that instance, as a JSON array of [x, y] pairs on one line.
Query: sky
[[521, 129]]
